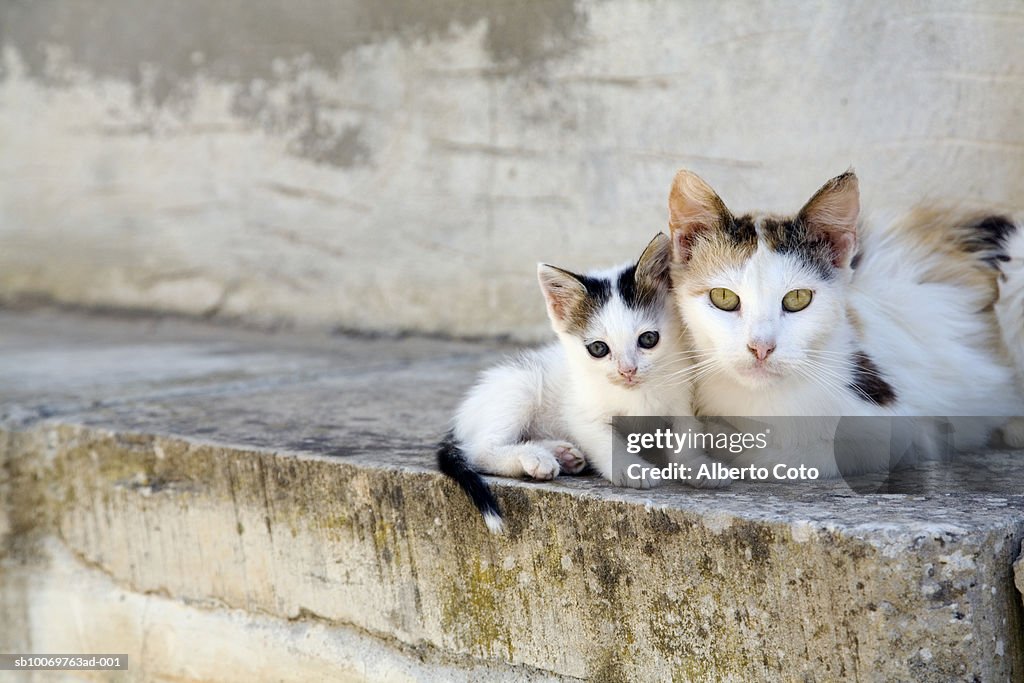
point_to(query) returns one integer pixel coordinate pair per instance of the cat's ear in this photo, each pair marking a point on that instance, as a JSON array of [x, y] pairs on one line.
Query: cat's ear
[[693, 208], [832, 214], [563, 293], [652, 266]]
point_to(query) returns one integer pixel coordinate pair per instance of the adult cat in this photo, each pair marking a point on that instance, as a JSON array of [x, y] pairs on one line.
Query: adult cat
[[814, 315]]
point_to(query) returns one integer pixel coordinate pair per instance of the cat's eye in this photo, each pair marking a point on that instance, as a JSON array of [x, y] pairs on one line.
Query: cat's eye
[[797, 300], [648, 340], [597, 349], [725, 299]]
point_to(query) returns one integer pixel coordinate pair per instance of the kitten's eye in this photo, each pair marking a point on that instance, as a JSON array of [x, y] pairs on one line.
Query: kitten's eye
[[726, 299], [648, 340], [597, 349], [797, 300]]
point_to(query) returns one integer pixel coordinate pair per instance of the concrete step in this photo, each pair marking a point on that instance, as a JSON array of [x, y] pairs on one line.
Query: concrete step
[[183, 490]]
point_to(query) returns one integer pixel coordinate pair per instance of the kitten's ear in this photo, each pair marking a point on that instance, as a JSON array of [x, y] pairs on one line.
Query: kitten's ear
[[563, 293], [652, 266], [693, 208], [832, 214]]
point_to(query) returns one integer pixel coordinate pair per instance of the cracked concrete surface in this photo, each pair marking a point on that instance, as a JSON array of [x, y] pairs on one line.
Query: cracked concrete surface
[[280, 488]]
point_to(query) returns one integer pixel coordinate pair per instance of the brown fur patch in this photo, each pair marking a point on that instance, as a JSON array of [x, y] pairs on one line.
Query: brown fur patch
[[712, 252], [572, 299], [855, 322]]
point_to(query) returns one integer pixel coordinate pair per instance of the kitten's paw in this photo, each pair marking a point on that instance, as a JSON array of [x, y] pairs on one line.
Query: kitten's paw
[[1013, 432], [539, 464], [569, 457]]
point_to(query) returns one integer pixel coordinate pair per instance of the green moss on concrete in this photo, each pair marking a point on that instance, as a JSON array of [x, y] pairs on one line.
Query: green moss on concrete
[[474, 609]]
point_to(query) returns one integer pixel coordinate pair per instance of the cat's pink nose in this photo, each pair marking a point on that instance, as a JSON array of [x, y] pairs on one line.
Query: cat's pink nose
[[761, 349], [627, 373]]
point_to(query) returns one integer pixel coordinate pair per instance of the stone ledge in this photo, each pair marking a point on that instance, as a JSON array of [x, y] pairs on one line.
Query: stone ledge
[[292, 479]]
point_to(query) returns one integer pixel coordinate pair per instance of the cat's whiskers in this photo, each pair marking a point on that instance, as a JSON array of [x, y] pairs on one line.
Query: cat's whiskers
[[689, 369], [825, 370], [685, 355], [712, 368], [825, 383], [838, 381], [827, 353]]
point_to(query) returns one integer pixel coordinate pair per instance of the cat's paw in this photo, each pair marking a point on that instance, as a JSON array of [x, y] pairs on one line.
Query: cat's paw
[[539, 464], [1013, 432], [569, 457], [710, 482], [640, 480]]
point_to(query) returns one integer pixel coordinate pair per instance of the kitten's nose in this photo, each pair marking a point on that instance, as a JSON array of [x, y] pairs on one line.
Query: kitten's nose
[[627, 372], [761, 349]]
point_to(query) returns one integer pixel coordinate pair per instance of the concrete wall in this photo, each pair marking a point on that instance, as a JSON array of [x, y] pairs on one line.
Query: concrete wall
[[403, 165]]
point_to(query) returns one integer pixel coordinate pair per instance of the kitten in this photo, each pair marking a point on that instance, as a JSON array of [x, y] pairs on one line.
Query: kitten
[[548, 411], [812, 315]]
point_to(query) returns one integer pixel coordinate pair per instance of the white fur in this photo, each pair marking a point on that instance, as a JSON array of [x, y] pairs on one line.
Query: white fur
[[494, 522], [524, 416], [1010, 306], [925, 338], [1010, 314]]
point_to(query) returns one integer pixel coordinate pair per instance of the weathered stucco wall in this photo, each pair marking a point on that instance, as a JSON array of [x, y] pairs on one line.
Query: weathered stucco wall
[[403, 165]]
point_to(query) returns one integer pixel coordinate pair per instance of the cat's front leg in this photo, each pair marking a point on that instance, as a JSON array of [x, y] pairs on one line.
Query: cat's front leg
[[544, 459]]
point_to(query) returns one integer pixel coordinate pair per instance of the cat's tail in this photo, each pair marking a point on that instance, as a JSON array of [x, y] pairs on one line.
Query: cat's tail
[[452, 461]]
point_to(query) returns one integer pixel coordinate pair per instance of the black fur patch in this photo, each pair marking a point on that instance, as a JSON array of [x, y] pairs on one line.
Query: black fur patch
[[741, 231], [988, 236], [869, 383], [599, 290], [452, 462], [627, 287], [791, 236], [637, 295]]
